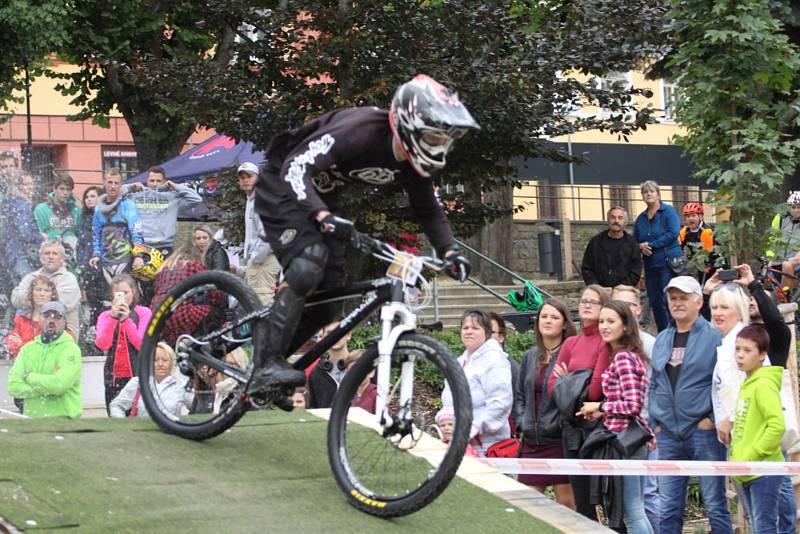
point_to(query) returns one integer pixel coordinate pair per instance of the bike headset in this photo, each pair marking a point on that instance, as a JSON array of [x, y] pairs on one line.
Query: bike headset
[[426, 117]]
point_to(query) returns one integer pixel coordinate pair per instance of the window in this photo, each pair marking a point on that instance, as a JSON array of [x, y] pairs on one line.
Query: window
[[122, 158], [619, 195], [670, 96], [547, 201], [606, 83]]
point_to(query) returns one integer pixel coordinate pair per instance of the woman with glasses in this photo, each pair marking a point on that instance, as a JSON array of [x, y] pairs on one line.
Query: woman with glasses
[[586, 351]]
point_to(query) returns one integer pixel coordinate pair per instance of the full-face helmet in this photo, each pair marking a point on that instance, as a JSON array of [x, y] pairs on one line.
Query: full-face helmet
[[426, 118]]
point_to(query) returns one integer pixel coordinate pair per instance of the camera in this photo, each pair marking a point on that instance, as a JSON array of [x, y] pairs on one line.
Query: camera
[[728, 275], [119, 296]]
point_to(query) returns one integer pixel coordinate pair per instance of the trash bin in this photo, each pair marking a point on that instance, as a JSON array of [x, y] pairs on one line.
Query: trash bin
[[550, 253]]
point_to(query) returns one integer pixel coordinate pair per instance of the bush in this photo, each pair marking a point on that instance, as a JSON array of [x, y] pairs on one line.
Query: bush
[[516, 345]]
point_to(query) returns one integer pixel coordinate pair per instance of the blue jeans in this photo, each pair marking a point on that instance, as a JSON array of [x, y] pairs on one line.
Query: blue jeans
[[787, 505], [761, 495], [636, 521], [656, 279], [699, 445], [651, 497]]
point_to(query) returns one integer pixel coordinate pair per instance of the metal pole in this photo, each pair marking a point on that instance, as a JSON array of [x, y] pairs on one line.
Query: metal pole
[[435, 295], [28, 156], [571, 176]]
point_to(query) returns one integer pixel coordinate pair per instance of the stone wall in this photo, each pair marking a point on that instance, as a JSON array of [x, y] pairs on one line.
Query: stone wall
[[525, 249]]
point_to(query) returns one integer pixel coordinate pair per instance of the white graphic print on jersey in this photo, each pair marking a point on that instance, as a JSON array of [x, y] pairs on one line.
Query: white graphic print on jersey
[[297, 168]]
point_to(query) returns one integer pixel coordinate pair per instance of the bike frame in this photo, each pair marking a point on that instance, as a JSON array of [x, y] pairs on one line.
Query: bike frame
[[396, 319]]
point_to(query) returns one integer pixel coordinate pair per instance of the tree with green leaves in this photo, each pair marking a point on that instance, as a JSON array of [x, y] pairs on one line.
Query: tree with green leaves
[[30, 32], [737, 63], [520, 67], [253, 68]]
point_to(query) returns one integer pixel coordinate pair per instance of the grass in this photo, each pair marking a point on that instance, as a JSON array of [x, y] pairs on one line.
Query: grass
[[269, 473]]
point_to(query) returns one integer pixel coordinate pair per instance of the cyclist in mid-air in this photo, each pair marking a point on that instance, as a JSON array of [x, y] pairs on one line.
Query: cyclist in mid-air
[[297, 198]]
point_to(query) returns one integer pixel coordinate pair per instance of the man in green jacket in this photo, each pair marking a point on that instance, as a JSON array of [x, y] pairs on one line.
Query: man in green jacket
[[47, 372]]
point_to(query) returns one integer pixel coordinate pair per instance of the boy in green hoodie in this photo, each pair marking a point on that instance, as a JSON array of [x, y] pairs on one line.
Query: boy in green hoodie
[[758, 427]]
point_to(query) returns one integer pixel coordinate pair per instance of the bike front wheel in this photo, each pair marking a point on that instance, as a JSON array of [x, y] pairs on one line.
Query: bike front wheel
[[372, 462], [210, 324]]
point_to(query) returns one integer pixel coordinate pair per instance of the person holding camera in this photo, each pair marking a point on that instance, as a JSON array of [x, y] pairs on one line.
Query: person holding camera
[[120, 331], [761, 310]]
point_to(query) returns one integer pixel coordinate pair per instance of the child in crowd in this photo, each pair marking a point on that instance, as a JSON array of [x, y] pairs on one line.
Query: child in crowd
[[758, 427], [324, 379], [444, 420], [299, 398], [367, 393], [120, 331]]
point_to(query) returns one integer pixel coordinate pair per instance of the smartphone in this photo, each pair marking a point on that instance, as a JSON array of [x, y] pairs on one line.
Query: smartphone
[[119, 296], [728, 275]]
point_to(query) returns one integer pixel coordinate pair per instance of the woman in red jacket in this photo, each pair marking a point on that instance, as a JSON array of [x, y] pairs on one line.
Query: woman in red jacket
[[26, 323], [585, 351], [120, 331]]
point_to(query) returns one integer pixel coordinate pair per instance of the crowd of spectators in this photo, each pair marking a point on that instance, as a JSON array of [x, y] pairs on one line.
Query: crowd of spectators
[[100, 266], [702, 389]]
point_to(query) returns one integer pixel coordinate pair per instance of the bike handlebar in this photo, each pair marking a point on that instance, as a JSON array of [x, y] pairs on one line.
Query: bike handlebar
[[367, 244]]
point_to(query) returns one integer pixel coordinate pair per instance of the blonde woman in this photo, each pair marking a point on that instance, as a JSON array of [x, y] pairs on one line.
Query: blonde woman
[[169, 389], [730, 312]]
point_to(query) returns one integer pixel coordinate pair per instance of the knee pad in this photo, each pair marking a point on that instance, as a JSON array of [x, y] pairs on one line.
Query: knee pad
[[307, 269]]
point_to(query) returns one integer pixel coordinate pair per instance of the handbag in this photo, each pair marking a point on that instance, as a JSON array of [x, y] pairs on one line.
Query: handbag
[[791, 436], [507, 448], [633, 438], [678, 265]]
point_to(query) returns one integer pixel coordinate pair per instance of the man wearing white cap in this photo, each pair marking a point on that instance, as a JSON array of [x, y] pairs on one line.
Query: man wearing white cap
[[261, 268], [684, 356]]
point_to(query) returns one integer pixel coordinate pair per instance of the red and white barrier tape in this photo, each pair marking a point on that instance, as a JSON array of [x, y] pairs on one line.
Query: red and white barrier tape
[[533, 466]]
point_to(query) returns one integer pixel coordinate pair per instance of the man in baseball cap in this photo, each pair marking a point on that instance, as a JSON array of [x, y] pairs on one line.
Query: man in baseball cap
[[684, 356], [47, 371], [261, 268]]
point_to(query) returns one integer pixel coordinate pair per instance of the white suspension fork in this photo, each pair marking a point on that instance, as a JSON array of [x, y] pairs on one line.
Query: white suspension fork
[[389, 336]]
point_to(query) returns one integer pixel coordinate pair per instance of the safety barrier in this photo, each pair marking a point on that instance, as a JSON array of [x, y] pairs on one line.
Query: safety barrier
[[530, 466]]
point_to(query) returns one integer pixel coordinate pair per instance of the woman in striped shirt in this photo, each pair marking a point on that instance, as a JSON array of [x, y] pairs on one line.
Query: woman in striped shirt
[[625, 386]]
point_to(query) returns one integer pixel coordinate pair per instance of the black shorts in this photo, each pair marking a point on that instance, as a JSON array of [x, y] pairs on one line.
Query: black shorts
[[287, 227]]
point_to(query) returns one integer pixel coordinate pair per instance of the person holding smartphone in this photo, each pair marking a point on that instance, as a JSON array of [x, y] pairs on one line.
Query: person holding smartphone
[[119, 332]]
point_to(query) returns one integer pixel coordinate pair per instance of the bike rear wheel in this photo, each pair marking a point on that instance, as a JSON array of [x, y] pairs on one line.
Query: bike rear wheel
[[372, 465], [204, 321]]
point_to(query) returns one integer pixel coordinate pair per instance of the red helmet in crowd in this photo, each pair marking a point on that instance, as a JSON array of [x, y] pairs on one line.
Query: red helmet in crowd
[[692, 207], [427, 117]]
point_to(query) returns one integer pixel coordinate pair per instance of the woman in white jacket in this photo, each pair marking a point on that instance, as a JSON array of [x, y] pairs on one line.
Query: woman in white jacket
[[489, 375], [729, 314], [169, 389]]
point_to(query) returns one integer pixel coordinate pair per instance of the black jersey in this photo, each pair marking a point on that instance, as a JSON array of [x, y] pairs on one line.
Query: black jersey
[[311, 165]]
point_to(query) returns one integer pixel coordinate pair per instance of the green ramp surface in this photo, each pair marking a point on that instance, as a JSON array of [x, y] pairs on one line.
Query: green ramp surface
[[269, 473]]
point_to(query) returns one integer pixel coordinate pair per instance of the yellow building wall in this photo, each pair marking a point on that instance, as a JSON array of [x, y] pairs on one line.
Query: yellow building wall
[[589, 202], [46, 100]]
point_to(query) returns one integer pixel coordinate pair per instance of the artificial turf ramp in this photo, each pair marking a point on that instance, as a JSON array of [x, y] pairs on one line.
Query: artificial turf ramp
[[268, 474]]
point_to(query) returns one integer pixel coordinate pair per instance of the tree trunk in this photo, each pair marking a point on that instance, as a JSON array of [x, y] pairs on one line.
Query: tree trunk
[[496, 238]]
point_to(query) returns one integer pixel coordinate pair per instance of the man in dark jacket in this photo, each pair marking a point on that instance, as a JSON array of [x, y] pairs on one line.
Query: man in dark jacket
[[612, 257]]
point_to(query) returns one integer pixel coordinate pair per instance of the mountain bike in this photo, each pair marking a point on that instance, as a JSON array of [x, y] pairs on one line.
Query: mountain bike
[[772, 276], [212, 318]]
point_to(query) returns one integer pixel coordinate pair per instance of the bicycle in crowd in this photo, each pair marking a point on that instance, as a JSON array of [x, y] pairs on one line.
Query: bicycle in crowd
[[773, 278], [208, 317]]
